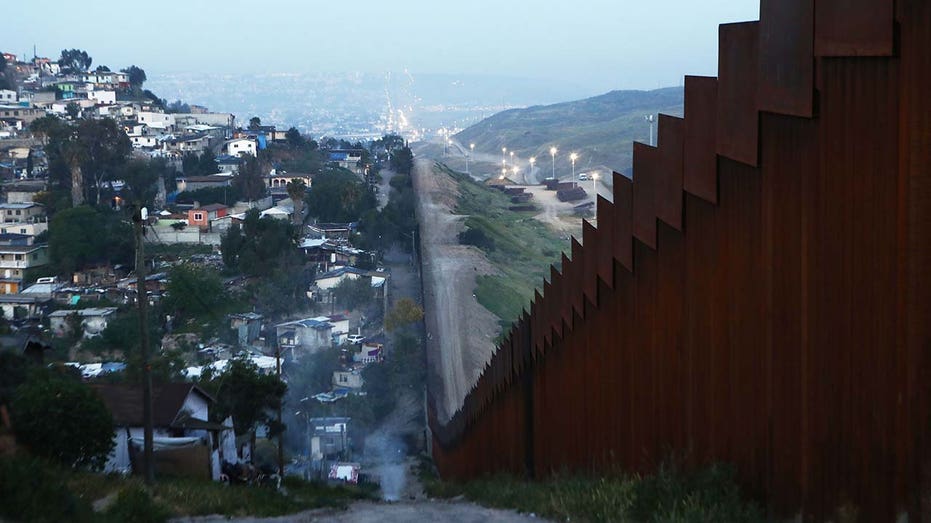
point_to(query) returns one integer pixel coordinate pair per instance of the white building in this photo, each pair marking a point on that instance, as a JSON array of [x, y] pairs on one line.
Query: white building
[[239, 147]]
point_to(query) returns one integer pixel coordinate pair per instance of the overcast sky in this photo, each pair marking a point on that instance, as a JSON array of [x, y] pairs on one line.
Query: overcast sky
[[608, 44]]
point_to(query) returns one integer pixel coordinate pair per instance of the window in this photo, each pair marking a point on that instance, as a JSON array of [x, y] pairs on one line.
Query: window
[[22, 231], [19, 213], [19, 257], [198, 216]]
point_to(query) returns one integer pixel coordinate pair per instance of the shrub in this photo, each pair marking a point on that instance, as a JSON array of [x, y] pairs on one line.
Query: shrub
[[31, 490], [478, 238], [62, 419], [135, 504]]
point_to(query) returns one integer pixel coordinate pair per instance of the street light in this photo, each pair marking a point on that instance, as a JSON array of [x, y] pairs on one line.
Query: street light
[[471, 152], [504, 159], [595, 192], [649, 118], [573, 157], [553, 154], [532, 161], [512, 157]]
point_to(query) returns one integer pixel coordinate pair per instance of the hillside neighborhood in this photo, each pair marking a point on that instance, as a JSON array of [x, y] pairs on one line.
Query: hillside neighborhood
[[267, 280]]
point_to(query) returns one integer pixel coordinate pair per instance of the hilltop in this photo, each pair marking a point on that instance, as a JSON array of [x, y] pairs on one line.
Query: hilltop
[[600, 129]]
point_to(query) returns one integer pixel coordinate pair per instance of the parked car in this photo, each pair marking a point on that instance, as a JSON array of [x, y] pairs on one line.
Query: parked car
[[584, 177], [355, 339]]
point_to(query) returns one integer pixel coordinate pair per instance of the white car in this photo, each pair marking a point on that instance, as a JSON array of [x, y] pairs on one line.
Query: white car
[[584, 177], [355, 339]]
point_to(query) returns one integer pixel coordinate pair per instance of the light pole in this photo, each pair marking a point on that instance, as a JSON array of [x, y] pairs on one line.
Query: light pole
[[573, 157], [512, 157], [532, 161], [471, 152], [595, 192], [514, 170], [504, 159], [553, 154], [649, 118]]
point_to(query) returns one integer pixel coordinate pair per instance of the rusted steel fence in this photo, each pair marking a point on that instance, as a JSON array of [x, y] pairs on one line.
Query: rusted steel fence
[[760, 294]]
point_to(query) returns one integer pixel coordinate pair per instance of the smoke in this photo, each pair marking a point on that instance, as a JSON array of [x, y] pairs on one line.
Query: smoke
[[387, 454]]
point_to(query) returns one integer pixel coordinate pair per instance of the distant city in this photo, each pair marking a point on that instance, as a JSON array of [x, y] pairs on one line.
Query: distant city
[[361, 105]]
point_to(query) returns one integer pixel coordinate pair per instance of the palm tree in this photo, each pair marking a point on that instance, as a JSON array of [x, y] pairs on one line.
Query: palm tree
[[296, 191]]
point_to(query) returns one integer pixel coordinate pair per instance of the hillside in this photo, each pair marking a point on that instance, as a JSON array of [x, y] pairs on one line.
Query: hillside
[[600, 129]]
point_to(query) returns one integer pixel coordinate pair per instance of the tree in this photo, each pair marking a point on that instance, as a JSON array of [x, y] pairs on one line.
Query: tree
[[339, 197], [6, 82], [230, 244], [63, 420], [136, 76], [297, 191], [141, 180], [402, 160], [81, 236], [294, 138], [193, 292], [101, 148], [353, 293], [254, 123], [404, 313], [72, 110], [102, 69], [247, 395], [249, 181], [75, 60]]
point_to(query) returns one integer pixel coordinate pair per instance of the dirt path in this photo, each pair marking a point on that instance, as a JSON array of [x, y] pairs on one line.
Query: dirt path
[[403, 512], [460, 332]]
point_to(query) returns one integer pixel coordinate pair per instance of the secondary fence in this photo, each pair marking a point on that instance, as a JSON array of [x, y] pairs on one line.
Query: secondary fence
[[759, 294]]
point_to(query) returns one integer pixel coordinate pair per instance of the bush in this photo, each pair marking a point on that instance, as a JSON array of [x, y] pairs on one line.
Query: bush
[[62, 419], [31, 490], [135, 504], [478, 238]]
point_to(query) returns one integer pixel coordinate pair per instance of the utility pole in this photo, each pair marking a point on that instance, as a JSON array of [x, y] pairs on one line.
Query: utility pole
[[280, 401], [142, 299]]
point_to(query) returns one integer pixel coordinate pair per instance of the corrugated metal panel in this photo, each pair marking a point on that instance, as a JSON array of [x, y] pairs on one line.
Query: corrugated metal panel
[[786, 82], [623, 221], [669, 178], [854, 27], [700, 161], [606, 224], [737, 127], [646, 167]]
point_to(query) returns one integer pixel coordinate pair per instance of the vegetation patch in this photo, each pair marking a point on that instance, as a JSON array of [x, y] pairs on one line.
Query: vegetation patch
[[707, 495], [520, 247], [35, 490]]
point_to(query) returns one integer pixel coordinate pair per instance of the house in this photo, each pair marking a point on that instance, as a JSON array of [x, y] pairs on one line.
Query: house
[[331, 279], [228, 164], [311, 335], [346, 158], [193, 183], [278, 181], [24, 212], [329, 437], [248, 326], [161, 121], [93, 321], [18, 254], [240, 146], [8, 97], [370, 352], [184, 436], [16, 306], [348, 379], [202, 216], [23, 191]]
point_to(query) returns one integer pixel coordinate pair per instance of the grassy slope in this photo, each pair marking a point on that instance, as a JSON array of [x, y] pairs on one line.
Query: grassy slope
[[524, 248], [601, 129]]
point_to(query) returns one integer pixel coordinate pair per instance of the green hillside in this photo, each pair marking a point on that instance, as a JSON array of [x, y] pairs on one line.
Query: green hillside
[[600, 130]]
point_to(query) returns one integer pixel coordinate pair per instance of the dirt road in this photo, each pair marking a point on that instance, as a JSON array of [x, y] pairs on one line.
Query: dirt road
[[460, 332]]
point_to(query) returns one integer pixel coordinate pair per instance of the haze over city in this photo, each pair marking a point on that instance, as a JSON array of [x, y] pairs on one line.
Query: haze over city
[[599, 45]]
